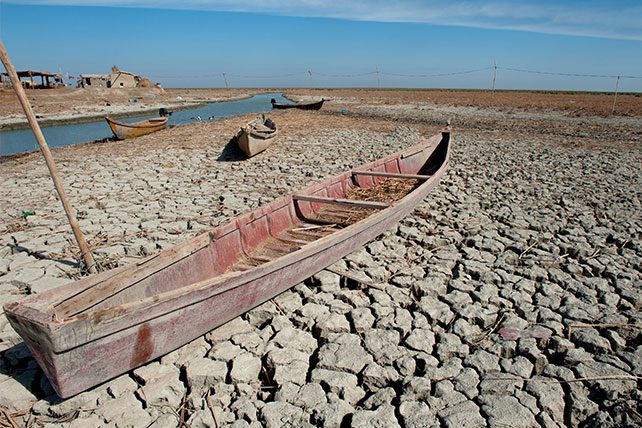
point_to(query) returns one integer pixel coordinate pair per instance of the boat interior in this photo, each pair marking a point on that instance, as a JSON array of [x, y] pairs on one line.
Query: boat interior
[[266, 234]]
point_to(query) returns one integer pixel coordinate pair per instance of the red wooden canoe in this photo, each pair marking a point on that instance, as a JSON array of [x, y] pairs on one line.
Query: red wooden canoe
[[95, 329]]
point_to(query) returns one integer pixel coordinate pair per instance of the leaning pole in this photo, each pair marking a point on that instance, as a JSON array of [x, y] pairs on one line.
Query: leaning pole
[[44, 148]]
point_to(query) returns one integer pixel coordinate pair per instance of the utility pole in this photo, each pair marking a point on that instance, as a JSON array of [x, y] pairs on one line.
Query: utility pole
[[225, 78], [617, 85], [44, 148], [494, 75], [378, 78], [311, 81]]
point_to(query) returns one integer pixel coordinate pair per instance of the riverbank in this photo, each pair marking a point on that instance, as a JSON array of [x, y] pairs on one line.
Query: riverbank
[[509, 297], [71, 106]]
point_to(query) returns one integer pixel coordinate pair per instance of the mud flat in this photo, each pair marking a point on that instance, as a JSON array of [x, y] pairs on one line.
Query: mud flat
[[509, 297]]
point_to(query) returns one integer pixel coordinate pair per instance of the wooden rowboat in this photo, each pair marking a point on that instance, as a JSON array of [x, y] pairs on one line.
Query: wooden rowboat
[[305, 106], [95, 329], [123, 130], [256, 136]]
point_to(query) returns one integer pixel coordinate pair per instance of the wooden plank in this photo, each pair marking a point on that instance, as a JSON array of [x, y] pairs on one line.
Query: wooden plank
[[106, 289], [350, 202], [323, 222], [392, 175]]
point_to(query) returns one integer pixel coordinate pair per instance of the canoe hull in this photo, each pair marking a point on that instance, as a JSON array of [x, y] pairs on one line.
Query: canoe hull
[[123, 131], [306, 106], [72, 353], [251, 142]]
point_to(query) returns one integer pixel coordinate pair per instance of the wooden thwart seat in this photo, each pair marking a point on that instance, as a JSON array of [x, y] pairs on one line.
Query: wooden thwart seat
[[349, 202], [392, 175]]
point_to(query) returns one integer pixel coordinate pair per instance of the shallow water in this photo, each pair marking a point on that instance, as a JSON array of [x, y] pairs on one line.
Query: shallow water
[[65, 135]]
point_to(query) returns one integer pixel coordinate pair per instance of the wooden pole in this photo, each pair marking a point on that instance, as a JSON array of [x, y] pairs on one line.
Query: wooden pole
[[44, 148], [225, 77], [617, 85], [378, 78], [494, 75]]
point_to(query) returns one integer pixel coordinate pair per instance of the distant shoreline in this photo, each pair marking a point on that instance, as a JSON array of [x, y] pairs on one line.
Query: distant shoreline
[[73, 120], [87, 118]]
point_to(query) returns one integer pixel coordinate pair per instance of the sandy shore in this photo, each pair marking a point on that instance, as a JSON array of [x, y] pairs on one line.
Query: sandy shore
[[534, 231]]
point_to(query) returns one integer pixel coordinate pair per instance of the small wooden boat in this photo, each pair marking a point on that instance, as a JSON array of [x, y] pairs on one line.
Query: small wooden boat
[[130, 130], [303, 106], [95, 329], [256, 136]]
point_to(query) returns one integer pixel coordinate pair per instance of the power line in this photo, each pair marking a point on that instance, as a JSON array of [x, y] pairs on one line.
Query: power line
[[345, 75], [275, 76], [610, 76], [184, 76], [438, 74], [370, 73]]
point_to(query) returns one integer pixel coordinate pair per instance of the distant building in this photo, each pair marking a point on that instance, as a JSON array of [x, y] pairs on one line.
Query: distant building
[[123, 79], [116, 79], [93, 80], [47, 80]]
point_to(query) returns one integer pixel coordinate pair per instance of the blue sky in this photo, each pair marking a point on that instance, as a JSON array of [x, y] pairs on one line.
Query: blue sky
[[274, 43]]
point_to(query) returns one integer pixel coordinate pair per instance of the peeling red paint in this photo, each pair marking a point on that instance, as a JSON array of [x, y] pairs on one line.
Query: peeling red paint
[[144, 346]]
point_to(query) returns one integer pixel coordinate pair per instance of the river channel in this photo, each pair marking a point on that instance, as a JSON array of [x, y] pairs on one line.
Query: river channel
[[64, 135]]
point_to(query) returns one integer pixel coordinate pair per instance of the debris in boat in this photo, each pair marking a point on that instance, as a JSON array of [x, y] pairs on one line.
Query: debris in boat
[[313, 227]]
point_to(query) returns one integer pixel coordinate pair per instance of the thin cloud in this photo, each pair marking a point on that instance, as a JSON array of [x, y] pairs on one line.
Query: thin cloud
[[616, 19]]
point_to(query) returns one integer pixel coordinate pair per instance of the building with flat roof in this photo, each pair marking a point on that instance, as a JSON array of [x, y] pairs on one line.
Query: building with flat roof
[[116, 79], [93, 80], [47, 80]]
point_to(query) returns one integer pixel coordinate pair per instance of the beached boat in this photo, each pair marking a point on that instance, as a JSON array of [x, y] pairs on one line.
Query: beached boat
[[256, 136], [303, 106], [95, 329], [124, 130]]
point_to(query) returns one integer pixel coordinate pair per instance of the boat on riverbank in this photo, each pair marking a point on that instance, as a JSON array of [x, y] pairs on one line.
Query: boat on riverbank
[[256, 136], [101, 326], [124, 130], [302, 106]]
